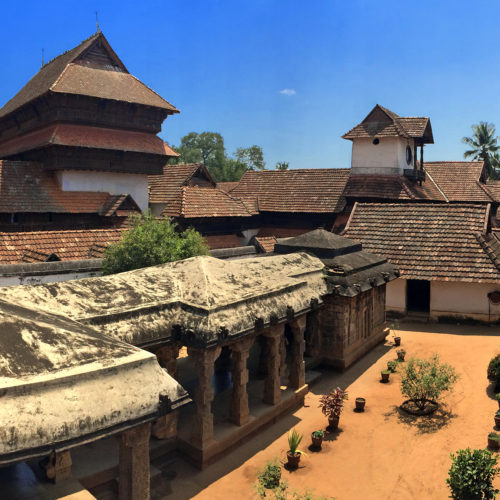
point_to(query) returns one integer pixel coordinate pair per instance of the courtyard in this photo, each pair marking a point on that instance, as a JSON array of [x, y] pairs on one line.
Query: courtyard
[[380, 453]]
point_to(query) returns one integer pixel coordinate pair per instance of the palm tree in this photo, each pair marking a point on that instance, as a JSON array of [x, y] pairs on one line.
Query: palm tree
[[483, 144]]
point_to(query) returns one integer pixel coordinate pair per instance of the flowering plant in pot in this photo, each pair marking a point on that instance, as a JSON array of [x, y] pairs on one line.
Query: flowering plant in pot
[[293, 454], [317, 438], [332, 404]]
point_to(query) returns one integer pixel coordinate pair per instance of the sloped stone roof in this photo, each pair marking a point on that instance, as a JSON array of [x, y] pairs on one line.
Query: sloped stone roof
[[202, 300], [63, 383]]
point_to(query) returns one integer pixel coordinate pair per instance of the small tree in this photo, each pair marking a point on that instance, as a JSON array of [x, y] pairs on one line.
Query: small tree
[[150, 242], [471, 475], [423, 380]]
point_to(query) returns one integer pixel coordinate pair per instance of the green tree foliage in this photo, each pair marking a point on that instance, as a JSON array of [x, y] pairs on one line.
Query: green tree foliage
[[208, 148], [425, 379], [252, 157], [483, 146], [150, 242], [471, 475], [282, 165]]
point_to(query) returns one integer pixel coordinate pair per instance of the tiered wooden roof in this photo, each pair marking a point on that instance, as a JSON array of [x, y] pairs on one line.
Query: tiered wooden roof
[[428, 241]]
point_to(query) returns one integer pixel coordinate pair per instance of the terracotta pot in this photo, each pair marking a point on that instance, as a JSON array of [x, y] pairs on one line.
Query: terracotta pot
[[333, 422], [385, 376], [497, 420], [360, 404], [293, 459], [397, 340], [401, 356], [316, 441], [493, 444]]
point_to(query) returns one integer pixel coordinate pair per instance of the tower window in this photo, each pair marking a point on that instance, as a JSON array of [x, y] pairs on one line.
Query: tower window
[[409, 155], [376, 141]]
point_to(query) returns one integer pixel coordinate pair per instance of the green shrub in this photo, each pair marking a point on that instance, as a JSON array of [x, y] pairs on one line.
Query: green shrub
[[471, 475], [425, 379], [318, 434], [149, 242], [269, 477], [494, 370]]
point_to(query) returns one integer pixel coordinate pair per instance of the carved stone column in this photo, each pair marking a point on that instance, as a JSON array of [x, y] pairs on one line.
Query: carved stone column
[[313, 341], [166, 427], [134, 463], [297, 376], [283, 355], [203, 424], [239, 398], [272, 384]]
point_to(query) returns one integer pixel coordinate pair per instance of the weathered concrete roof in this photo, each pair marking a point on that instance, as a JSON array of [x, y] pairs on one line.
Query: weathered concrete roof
[[350, 270], [202, 300], [62, 384]]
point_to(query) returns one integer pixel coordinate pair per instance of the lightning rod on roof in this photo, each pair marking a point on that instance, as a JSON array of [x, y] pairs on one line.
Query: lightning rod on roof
[[97, 22]]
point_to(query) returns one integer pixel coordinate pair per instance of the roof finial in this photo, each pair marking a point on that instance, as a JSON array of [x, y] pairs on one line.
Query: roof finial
[[42, 58], [97, 22]]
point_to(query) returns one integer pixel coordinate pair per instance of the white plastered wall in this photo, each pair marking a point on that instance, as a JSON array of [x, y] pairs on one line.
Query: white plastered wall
[[395, 297], [457, 298], [108, 182], [388, 157]]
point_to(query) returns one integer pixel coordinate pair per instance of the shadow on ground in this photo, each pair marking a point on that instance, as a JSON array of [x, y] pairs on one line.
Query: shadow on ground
[[425, 424]]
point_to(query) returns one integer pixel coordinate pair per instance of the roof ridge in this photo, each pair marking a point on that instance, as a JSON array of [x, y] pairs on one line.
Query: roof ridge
[[409, 192], [174, 109], [96, 35], [484, 243], [436, 184], [483, 187]]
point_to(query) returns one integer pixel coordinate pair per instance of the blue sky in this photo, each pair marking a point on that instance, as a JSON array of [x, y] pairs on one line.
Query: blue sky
[[224, 64]]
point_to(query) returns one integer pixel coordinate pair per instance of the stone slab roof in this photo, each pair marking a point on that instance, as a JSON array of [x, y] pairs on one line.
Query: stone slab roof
[[61, 75], [459, 180], [63, 384], [25, 187], [201, 301], [296, 190], [391, 187], [427, 241], [89, 137], [70, 244], [381, 122]]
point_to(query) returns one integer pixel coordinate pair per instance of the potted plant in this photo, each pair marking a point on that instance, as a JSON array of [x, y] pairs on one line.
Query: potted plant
[[360, 404], [401, 354], [497, 397], [397, 338], [497, 418], [385, 375], [392, 366], [293, 454], [317, 438], [493, 441], [332, 404]]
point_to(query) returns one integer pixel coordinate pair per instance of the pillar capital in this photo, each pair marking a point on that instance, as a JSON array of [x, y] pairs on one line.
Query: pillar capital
[[243, 344], [299, 323], [274, 331]]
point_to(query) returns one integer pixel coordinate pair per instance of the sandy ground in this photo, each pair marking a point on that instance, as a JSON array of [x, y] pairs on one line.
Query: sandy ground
[[381, 453]]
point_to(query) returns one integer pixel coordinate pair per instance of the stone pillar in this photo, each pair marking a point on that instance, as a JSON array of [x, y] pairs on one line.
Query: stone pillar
[[166, 427], [297, 376], [58, 466], [272, 384], [283, 355], [313, 344], [239, 398], [134, 463], [203, 424]]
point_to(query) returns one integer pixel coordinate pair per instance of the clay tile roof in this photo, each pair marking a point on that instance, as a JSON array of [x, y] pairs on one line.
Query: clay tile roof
[[265, 243], [198, 202], [297, 190], [281, 232], [37, 246], [459, 180], [427, 241], [222, 241], [391, 187], [26, 187], [382, 122], [166, 187], [227, 187], [89, 137], [493, 188], [60, 75]]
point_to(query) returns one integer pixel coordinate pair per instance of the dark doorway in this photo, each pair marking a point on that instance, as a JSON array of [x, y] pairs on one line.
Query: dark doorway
[[418, 295]]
